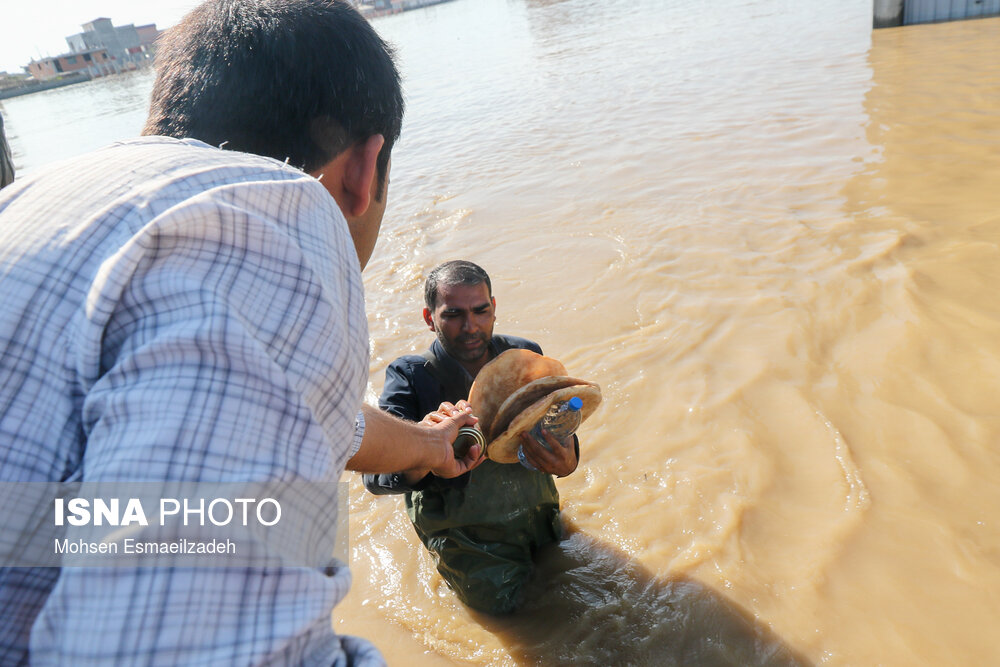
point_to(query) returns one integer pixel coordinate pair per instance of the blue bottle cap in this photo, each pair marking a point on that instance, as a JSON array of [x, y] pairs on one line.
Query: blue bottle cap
[[575, 403]]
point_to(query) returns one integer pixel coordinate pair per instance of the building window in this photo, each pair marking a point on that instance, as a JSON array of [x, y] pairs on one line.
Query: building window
[[70, 60], [86, 57]]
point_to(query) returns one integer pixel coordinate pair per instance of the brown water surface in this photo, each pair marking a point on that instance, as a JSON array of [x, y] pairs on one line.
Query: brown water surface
[[773, 238]]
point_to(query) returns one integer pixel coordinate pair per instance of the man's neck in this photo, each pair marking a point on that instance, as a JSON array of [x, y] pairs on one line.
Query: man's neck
[[473, 367]]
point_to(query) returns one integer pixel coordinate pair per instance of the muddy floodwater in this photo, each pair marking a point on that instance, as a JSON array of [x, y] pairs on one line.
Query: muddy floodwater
[[773, 237]]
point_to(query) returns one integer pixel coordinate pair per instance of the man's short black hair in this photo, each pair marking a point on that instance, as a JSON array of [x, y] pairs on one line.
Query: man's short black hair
[[295, 80], [455, 272]]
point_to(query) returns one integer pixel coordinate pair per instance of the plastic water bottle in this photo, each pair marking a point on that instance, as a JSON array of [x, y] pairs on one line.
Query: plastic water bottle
[[561, 421]]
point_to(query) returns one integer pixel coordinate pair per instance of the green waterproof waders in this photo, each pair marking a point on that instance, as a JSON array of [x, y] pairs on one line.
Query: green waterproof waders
[[485, 534]]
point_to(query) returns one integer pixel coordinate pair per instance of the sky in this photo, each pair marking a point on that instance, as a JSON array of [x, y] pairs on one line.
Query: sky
[[36, 28]]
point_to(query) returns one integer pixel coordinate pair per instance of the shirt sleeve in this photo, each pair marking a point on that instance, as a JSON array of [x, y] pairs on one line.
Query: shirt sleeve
[[399, 394], [359, 434], [214, 349], [399, 398]]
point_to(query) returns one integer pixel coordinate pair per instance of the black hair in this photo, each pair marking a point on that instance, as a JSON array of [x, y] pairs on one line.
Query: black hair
[[295, 80], [455, 272]]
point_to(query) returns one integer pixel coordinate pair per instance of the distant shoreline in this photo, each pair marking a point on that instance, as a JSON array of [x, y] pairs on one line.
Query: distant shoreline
[[71, 78], [407, 5], [39, 86]]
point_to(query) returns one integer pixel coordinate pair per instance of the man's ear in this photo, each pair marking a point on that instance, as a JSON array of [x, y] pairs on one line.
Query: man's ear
[[360, 172], [428, 319]]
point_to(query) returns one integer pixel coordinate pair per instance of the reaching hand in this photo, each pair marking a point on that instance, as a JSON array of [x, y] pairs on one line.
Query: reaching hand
[[446, 421], [446, 410], [559, 459]]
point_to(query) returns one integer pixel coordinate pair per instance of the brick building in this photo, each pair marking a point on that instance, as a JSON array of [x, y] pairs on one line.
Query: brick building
[[93, 61]]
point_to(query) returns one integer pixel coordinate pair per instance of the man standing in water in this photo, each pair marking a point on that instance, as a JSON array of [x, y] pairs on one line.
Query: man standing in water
[[485, 526], [174, 312]]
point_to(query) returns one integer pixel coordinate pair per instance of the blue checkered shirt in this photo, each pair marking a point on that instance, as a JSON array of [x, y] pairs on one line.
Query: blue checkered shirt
[[171, 311]]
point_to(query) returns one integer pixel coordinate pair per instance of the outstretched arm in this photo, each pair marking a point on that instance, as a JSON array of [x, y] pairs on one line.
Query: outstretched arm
[[391, 444]]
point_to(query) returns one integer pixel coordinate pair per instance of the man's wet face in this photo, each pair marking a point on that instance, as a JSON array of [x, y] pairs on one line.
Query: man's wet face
[[463, 320]]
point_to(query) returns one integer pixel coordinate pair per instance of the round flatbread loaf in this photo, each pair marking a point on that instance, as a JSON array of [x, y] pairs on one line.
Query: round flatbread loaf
[[504, 375], [503, 448], [524, 397]]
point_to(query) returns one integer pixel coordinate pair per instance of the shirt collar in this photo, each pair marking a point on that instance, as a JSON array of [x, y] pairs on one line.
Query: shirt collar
[[438, 349]]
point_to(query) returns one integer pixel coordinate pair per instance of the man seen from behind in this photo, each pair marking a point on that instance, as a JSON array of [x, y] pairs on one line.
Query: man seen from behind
[[188, 306]]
